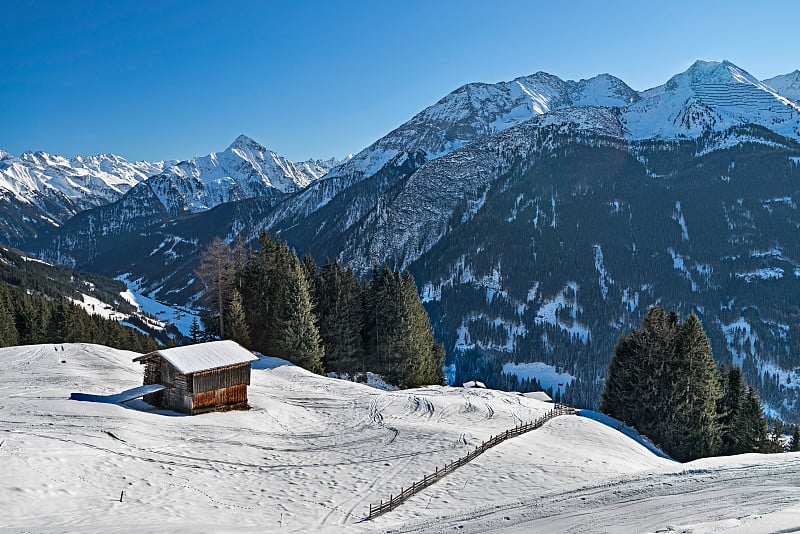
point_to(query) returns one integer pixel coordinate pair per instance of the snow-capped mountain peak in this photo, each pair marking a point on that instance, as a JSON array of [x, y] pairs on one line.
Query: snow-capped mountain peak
[[710, 95], [787, 85], [246, 143], [476, 110], [246, 169]]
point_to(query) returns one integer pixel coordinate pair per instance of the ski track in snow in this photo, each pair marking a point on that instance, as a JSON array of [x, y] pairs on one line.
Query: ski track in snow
[[313, 453]]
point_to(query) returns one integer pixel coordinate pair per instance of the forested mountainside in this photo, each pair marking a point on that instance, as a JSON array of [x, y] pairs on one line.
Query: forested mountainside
[[43, 303]]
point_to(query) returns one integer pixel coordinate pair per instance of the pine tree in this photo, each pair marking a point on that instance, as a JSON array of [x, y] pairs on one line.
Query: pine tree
[[662, 379], [260, 281], [751, 425], [730, 406], [8, 328], [57, 329], [340, 319], [312, 276], [195, 333], [642, 370], [794, 443], [381, 308], [696, 390], [398, 338], [298, 340], [237, 323], [426, 358]]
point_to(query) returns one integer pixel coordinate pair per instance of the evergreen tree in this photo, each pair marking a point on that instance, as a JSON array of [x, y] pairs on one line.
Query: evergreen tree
[[195, 333], [641, 374], [237, 323], [697, 431], [662, 379], [57, 328], [340, 319], [729, 408], [8, 328], [751, 425], [261, 280], [312, 275], [381, 308], [794, 443], [299, 340], [397, 333]]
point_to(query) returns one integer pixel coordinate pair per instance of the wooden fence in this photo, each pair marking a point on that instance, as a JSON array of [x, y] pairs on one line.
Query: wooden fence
[[396, 500]]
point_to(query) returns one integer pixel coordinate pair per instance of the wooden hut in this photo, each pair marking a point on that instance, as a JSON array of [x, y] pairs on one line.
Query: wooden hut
[[198, 378]]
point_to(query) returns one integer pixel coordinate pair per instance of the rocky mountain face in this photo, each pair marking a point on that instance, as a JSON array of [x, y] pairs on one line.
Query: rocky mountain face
[[540, 218]]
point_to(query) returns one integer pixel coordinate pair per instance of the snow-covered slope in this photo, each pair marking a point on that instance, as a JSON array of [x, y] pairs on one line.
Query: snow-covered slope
[[710, 96], [787, 85], [244, 170], [316, 168], [314, 452]]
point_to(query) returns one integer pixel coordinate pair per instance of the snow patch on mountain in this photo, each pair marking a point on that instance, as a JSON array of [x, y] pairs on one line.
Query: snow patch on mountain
[[548, 375], [679, 264], [766, 273], [561, 311], [741, 339], [180, 316], [678, 216], [604, 279]]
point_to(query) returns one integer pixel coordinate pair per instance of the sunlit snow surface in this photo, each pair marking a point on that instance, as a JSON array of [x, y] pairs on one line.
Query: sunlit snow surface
[[314, 452]]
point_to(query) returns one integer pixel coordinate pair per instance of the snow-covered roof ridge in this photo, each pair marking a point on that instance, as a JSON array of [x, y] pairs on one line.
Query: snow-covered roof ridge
[[203, 356]]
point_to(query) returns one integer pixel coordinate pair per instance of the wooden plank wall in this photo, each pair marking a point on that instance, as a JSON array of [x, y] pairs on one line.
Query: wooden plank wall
[[223, 378], [231, 396]]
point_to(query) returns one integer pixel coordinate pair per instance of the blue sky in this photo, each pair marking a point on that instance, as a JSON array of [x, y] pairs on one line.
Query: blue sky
[[173, 79]]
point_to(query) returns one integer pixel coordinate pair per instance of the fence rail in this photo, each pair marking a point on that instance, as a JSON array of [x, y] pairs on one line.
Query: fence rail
[[396, 500]]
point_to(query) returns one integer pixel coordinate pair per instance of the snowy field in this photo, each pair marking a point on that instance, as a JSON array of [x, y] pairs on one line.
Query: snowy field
[[314, 452]]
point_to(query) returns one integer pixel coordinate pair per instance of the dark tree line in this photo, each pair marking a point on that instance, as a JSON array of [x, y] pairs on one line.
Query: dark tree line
[[662, 379], [321, 318], [27, 319]]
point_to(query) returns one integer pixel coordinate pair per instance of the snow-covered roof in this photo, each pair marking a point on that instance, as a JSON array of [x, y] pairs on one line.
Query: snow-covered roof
[[474, 384], [203, 356], [539, 395]]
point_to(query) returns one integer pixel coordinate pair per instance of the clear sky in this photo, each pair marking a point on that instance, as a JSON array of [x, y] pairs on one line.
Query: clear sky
[[172, 79]]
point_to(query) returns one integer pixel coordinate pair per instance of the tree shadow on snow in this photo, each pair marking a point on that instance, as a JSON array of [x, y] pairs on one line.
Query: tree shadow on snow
[[268, 362]]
